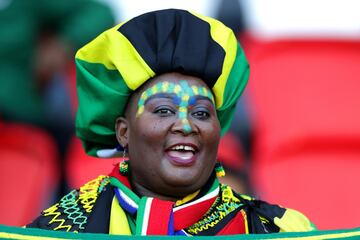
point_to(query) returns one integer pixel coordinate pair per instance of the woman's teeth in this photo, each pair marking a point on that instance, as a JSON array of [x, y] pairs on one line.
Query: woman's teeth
[[183, 152], [183, 147]]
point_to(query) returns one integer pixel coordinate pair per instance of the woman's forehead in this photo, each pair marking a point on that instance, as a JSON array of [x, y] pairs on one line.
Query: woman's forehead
[[175, 78], [171, 78]]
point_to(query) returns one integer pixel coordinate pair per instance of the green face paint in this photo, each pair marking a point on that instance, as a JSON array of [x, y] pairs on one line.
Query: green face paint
[[185, 95]]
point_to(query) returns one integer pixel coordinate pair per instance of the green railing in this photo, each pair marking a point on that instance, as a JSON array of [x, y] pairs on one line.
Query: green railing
[[7, 232]]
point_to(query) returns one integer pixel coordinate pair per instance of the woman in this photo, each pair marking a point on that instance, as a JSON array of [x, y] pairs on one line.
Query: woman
[[162, 87]]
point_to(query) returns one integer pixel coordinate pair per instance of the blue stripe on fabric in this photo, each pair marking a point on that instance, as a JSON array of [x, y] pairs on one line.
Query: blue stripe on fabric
[[123, 203], [171, 224]]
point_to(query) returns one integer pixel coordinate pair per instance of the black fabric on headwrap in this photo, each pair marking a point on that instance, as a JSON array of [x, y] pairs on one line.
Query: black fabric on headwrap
[[176, 41]]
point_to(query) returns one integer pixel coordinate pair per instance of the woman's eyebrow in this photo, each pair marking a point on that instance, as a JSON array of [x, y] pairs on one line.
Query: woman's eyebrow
[[194, 99], [177, 99], [170, 96], [199, 97]]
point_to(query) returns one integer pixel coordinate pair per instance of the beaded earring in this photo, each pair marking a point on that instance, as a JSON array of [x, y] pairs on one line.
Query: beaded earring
[[124, 164], [219, 170]]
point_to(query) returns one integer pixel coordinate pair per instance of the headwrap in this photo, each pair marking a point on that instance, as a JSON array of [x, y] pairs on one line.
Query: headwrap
[[121, 59]]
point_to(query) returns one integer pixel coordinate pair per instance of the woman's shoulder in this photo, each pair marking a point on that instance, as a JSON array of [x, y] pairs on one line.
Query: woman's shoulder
[[77, 210], [264, 217]]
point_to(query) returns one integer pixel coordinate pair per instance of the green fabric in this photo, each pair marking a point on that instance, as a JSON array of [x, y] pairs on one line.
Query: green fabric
[[93, 95], [240, 70], [140, 215], [22, 233], [115, 182]]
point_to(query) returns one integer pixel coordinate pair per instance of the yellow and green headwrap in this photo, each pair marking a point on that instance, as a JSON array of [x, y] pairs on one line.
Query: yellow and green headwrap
[[121, 59]]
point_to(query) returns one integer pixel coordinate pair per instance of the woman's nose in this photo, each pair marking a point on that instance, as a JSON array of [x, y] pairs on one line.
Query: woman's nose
[[184, 126]]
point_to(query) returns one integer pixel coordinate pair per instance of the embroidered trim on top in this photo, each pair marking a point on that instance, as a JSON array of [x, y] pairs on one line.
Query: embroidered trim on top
[[54, 211], [223, 205], [76, 206]]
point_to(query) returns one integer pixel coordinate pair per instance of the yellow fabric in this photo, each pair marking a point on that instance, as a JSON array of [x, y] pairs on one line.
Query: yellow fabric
[[96, 50], [226, 39], [115, 52], [25, 237], [119, 224], [246, 197], [293, 221], [187, 198]]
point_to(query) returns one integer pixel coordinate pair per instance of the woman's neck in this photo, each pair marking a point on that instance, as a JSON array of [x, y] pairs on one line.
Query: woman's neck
[[140, 190]]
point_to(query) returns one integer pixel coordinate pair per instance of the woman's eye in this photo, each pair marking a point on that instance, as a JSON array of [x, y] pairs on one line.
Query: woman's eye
[[202, 115], [164, 112]]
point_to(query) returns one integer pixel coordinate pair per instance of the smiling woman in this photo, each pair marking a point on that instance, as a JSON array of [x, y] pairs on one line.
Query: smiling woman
[[172, 136], [162, 87]]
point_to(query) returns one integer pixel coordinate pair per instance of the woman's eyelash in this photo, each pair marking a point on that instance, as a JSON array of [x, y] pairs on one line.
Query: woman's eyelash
[[201, 114], [164, 111]]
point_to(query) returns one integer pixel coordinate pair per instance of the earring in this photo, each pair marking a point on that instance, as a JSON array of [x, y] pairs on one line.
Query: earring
[[219, 170], [124, 164]]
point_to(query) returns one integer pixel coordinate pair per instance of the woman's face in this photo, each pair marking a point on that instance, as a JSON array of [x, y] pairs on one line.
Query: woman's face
[[172, 134]]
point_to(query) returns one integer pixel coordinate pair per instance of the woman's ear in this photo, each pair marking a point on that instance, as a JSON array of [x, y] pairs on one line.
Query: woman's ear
[[122, 131]]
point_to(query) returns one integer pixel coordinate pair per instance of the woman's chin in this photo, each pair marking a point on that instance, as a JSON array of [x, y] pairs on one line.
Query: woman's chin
[[182, 185], [176, 193]]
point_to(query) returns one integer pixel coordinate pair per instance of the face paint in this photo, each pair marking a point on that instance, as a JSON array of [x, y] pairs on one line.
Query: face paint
[[184, 96]]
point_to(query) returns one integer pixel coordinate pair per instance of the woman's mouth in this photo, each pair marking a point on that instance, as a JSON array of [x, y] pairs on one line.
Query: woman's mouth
[[182, 154]]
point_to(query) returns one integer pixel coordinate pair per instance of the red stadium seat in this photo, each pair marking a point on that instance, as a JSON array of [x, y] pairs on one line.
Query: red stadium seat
[[232, 157], [305, 101], [28, 172], [80, 168], [231, 152]]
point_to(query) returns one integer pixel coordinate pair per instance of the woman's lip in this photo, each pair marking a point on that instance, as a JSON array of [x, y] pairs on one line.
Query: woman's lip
[[181, 161]]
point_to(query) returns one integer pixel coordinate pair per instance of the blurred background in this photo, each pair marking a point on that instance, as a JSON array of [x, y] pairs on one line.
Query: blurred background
[[295, 140]]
